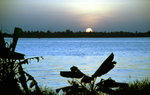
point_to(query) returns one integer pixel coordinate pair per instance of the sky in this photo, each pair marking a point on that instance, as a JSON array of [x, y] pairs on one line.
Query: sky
[[76, 15]]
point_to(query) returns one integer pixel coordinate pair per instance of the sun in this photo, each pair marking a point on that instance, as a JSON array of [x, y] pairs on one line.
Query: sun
[[89, 30]]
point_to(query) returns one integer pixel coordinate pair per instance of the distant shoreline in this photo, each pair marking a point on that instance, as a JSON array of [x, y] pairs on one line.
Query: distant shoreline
[[70, 34], [79, 37], [88, 37], [85, 37]]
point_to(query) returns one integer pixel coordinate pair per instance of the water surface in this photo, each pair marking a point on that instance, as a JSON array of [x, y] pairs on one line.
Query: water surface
[[132, 56]]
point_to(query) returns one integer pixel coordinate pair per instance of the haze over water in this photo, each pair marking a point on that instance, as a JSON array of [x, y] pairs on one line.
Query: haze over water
[[131, 54]]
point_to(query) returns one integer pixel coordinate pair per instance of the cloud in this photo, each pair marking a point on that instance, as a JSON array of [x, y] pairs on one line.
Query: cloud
[[77, 15]]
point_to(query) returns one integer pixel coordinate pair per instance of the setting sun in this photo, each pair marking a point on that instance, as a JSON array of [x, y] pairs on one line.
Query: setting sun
[[89, 30]]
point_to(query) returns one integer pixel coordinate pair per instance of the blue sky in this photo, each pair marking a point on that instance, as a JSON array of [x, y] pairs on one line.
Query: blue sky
[[59, 15]]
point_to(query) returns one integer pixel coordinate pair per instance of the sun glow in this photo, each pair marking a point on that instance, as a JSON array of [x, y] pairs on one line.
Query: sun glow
[[89, 6], [89, 12], [89, 30]]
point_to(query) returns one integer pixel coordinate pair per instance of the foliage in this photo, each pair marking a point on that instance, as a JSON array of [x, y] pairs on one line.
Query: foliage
[[47, 91], [87, 85], [13, 78], [135, 88]]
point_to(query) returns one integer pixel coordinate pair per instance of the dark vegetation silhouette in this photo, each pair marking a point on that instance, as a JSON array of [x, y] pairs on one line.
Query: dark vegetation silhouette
[[13, 79], [136, 88], [86, 85], [69, 33]]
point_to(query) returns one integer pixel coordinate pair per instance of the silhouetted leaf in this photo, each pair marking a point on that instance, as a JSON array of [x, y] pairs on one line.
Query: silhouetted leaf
[[17, 32], [24, 62], [106, 66], [37, 59], [32, 84], [22, 79], [109, 83], [70, 74], [29, 77], [87, 79], [74, 73]]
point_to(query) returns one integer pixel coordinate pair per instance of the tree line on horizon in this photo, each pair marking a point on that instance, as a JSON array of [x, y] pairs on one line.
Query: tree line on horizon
[[69, 33]]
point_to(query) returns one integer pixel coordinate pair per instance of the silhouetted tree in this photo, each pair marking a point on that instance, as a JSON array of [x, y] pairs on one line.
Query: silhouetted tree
[[69, 33]]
